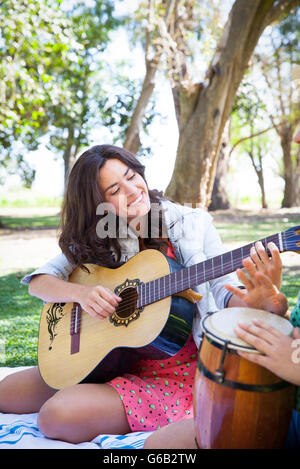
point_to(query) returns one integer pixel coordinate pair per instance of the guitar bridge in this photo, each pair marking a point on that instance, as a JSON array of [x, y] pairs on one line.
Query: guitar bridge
[[75, 327], [128, 309]]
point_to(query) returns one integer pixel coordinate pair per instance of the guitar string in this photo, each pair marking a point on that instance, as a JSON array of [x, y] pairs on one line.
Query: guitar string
[[129, 298], [191, 278]]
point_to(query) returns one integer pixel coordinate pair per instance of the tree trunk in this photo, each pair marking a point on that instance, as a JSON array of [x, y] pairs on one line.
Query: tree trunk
[[132, 141], [219, 198], [153, 38], [204, 108], [297, 180], [260, 176], [69, 155], [261, 183], [286, 136]]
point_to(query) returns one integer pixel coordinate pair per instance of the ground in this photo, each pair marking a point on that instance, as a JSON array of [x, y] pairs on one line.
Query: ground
[[23, 249]]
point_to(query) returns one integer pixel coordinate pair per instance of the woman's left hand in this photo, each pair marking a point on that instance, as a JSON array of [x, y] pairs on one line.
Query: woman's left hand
[[281, 353], [270, 266], [262, 282]]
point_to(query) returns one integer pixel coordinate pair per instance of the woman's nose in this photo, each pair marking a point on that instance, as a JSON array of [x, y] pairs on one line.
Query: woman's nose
[[130, 188]]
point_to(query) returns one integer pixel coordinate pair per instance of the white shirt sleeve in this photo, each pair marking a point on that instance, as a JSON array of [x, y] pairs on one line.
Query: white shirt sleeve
[[59, 266]]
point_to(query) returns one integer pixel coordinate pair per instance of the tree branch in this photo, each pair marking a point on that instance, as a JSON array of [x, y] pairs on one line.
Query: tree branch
[[280, 8], [248, 137]]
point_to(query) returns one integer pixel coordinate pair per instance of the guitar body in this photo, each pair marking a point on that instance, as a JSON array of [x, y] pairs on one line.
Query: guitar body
[[103, 349]]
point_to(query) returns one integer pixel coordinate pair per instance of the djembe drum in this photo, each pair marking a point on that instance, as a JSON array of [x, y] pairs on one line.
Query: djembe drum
[[238, 404]]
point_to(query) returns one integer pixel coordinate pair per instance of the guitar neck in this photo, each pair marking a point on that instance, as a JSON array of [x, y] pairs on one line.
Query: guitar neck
[[194, 275]]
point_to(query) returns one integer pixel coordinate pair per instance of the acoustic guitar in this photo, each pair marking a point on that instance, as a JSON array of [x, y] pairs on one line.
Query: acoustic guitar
[[153, 320]]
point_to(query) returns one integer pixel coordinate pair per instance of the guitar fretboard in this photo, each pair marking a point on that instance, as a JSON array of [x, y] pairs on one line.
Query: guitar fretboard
[[189, 277]]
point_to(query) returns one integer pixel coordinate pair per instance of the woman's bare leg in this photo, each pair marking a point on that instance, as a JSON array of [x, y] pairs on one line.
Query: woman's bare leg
[[75, 414], [81, 412], [178, 435], [23, 392]]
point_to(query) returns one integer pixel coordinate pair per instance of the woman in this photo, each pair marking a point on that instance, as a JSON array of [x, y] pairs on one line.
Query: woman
[[110, 180]]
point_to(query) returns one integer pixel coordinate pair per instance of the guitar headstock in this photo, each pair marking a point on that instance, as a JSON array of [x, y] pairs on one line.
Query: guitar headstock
[[291, 239]]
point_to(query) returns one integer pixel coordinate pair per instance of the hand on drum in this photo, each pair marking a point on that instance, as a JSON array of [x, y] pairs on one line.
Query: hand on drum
[[262, 283], [281, 353]]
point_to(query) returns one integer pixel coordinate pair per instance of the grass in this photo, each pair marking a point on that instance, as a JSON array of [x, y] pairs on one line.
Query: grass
[[20, 313], [253, 230], [19, 322], [20, 223], [21, 197]]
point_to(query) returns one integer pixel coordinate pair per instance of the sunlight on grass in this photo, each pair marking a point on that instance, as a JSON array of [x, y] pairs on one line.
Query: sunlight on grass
[[19, 322], [252, 231], [23, 197], [30, 222]]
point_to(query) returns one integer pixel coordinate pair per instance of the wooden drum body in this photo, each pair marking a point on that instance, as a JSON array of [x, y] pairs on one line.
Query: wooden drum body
[[238, 404]]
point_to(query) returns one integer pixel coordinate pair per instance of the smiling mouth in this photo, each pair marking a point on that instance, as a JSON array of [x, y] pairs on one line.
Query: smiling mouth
[[136, 201]]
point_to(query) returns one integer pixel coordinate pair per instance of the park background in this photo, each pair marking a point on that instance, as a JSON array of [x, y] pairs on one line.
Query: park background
[[205, 92]]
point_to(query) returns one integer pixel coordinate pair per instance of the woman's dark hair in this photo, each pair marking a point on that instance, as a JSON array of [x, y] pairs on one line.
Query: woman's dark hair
[[78, 238]]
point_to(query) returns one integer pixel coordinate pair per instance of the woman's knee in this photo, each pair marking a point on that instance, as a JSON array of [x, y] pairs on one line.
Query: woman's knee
[[59, 417], [5, 394], [53, 417], [81, 412]]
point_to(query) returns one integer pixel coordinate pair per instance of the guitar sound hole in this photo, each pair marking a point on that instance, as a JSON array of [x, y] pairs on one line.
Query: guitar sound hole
[[128, 304]]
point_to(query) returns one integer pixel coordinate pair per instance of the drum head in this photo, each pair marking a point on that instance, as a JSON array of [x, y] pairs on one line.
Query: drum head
[[220, 326]]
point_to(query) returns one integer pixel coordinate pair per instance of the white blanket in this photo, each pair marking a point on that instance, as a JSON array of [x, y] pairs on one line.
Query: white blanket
[[21, 431]]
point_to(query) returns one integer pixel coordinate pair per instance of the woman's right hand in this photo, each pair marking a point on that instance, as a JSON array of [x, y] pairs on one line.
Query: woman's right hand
[[100, 302], [279, 352]]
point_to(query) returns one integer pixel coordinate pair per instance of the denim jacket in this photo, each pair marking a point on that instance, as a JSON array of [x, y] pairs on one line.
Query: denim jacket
[[194, 239]]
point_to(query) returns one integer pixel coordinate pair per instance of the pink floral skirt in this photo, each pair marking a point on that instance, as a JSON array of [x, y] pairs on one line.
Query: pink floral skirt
[[158, 392]]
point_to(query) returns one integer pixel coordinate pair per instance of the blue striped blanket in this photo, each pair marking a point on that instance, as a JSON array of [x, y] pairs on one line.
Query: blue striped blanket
[[21, 431]]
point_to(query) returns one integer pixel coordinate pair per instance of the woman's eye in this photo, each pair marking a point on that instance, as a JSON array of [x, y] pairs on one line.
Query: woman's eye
[[131, 177]]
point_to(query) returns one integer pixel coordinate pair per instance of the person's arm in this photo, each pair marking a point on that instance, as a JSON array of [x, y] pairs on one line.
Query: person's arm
[[98, 301], [50, 283], [279, 353], [52, 289]]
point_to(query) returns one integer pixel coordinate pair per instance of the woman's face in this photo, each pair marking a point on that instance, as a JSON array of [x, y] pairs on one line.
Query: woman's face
[[124, 188]]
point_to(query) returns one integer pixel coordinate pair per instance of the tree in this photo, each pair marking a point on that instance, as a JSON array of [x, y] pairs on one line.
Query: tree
[[118, 107], [256, 148], [203, 108], [166, 26], [50, 76], [157, 19], [219, 197], [248, 116], [35, 37], [78, 110], [276, 63]]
